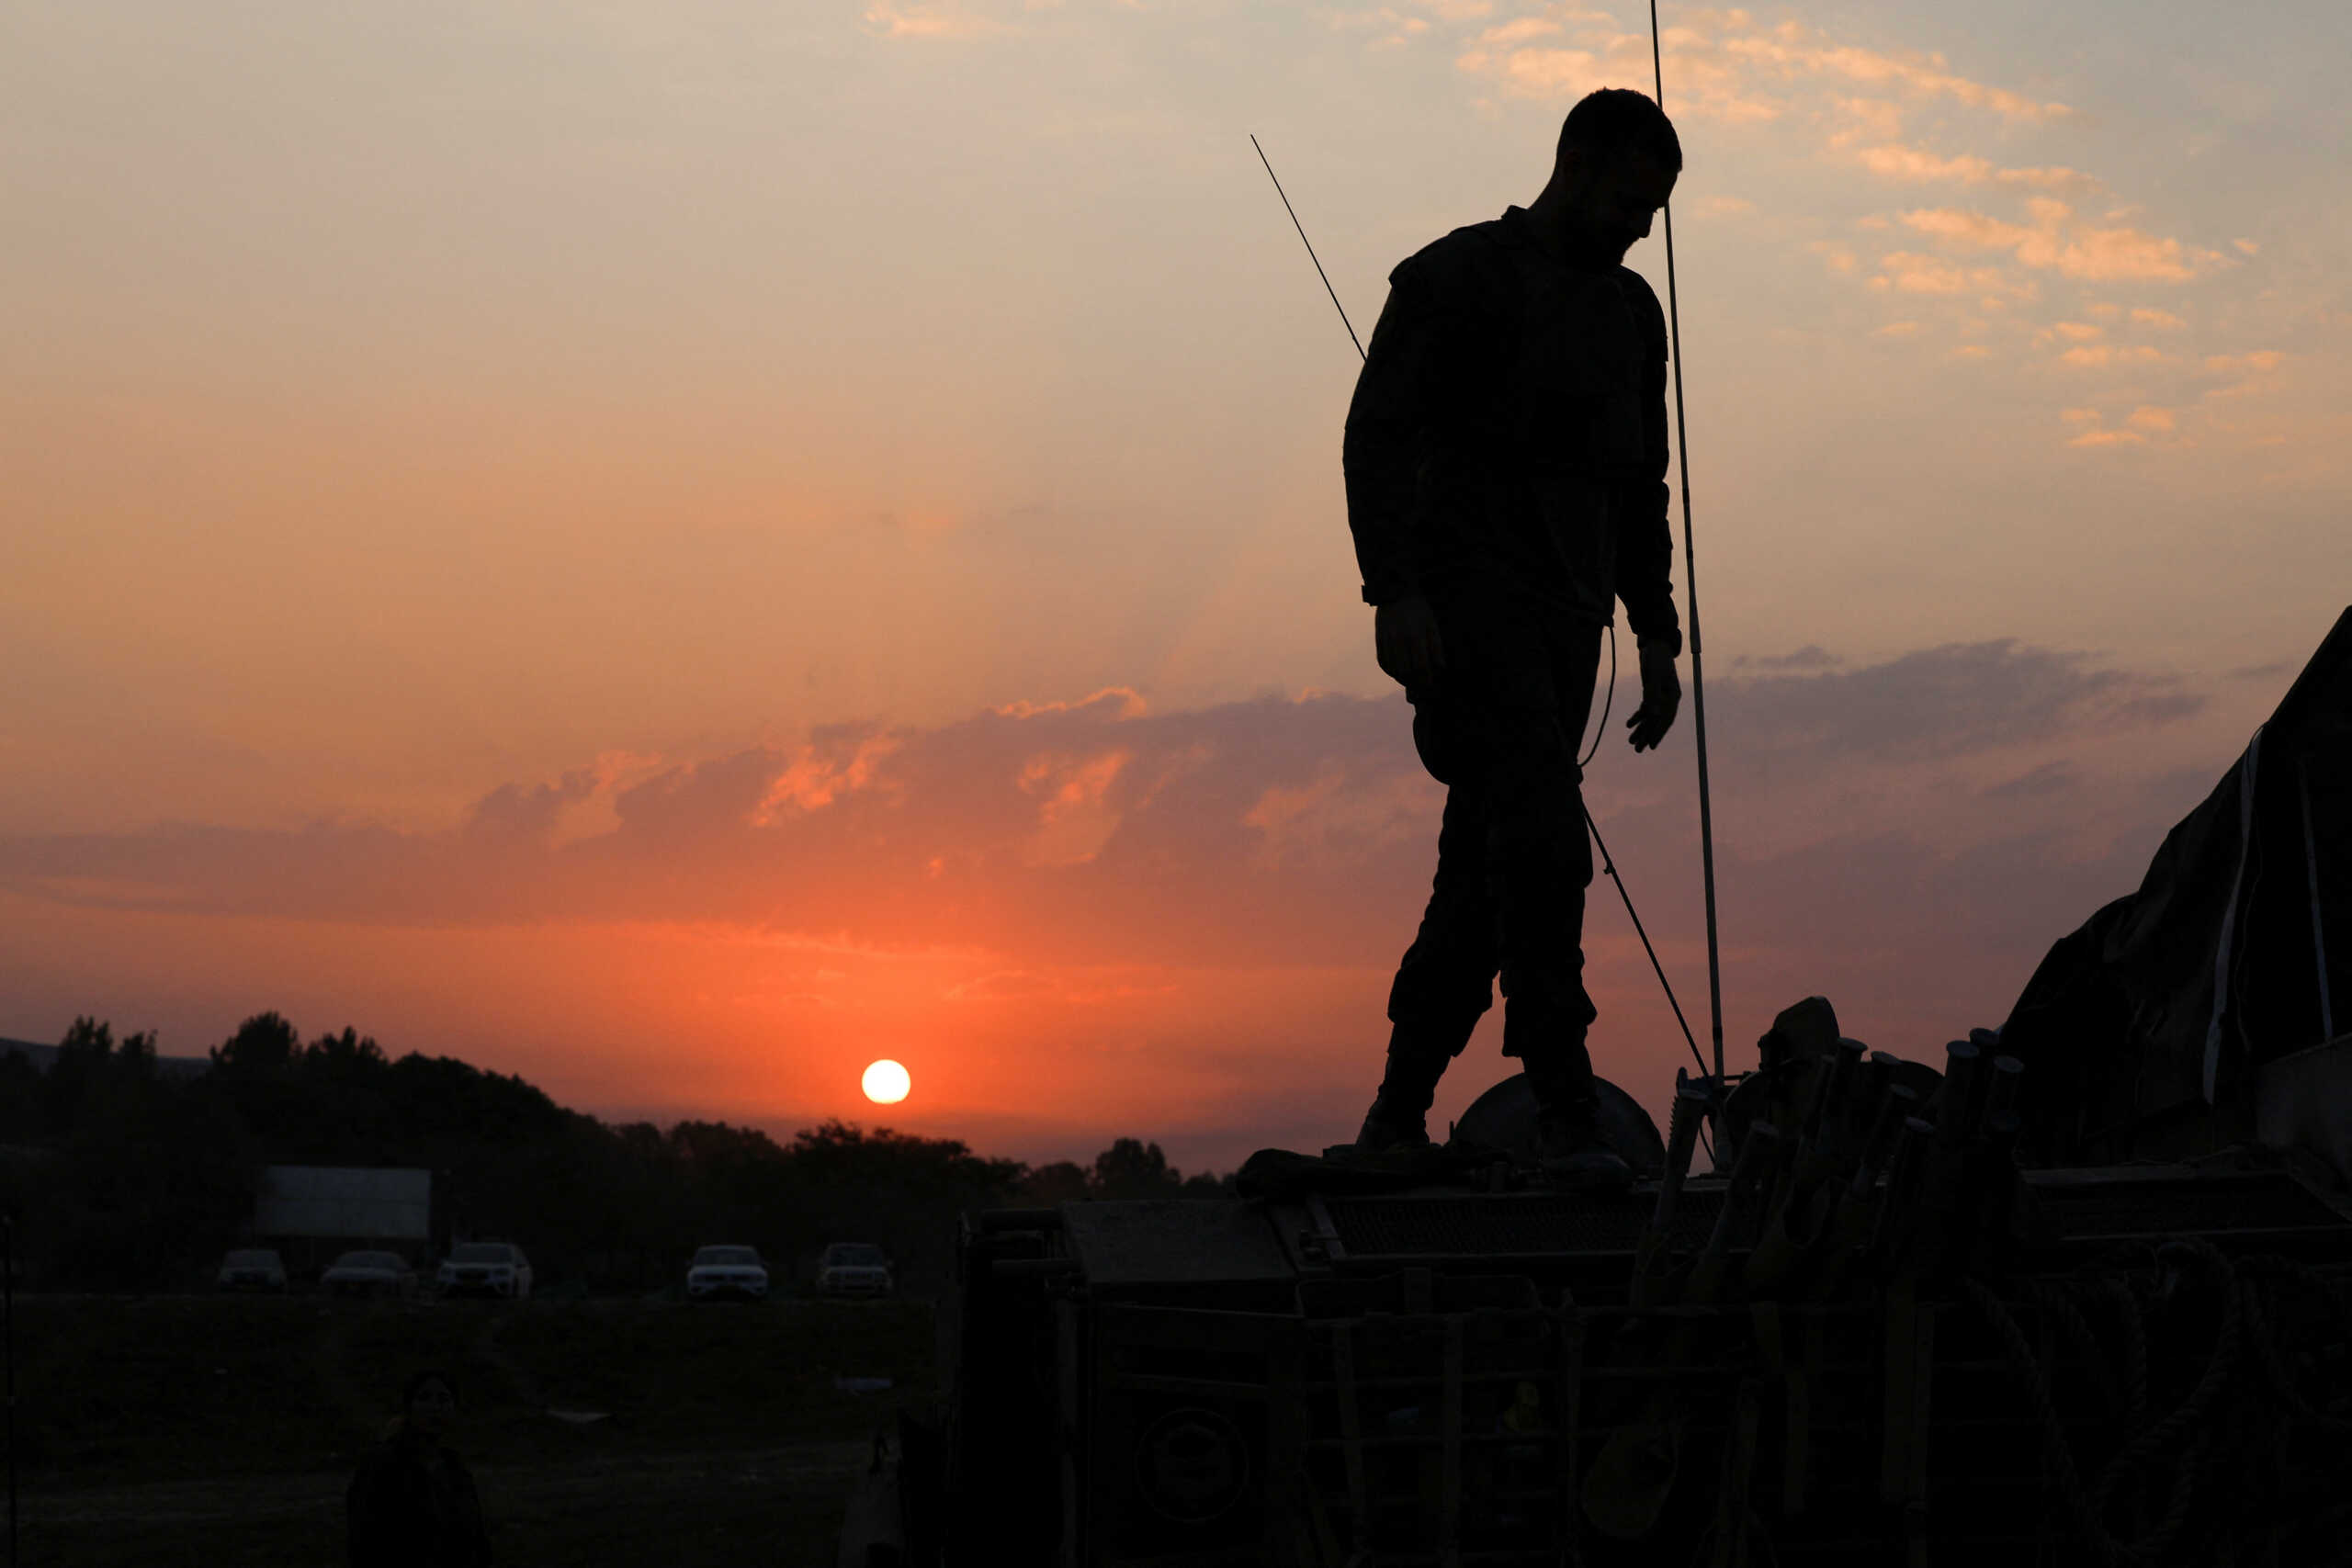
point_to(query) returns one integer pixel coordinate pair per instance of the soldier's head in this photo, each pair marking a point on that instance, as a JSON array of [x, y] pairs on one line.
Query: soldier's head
[[1616, 164], [428, 1404]]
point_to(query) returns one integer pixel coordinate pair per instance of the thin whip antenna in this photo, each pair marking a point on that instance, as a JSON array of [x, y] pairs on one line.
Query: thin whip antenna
[[1310, 249], [1690, 578]]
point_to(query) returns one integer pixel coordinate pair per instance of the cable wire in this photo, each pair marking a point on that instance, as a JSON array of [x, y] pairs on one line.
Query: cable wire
[[1607, 697]]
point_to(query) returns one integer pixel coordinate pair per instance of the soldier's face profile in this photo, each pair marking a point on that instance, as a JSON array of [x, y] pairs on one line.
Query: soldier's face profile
[[1614, 197]]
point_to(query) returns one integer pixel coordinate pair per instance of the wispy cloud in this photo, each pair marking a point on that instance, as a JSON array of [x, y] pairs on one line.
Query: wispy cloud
[[932, 19], [2033, 238], [1091, 828]]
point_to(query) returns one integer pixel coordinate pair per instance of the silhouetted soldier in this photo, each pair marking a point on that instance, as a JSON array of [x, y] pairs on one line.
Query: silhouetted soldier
[[1506, 471]]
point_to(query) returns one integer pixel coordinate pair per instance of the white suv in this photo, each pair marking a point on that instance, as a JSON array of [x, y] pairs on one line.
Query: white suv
[[726, 1271], [486, 1268]]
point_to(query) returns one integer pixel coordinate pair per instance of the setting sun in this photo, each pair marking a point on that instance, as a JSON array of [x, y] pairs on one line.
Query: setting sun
[[886, 1082]]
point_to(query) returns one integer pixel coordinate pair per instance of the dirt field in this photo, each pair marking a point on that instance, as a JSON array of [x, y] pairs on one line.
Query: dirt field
[[220, 1432]]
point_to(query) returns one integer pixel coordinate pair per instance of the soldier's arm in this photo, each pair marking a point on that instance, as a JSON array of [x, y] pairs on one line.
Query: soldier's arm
[[1381, 454], [1645, 539]]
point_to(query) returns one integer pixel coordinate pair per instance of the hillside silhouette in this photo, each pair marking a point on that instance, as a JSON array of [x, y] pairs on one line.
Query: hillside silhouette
[[122, 1177]]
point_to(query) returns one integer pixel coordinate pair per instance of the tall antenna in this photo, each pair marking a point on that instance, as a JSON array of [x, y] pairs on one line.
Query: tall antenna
[[1691, 579]]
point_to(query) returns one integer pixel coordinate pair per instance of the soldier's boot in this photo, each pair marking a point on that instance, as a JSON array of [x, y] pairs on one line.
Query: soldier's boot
[[1568, 1140], [1398, 1119]]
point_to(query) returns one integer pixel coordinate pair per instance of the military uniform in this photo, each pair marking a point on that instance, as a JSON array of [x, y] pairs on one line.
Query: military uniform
[[1506, 461]]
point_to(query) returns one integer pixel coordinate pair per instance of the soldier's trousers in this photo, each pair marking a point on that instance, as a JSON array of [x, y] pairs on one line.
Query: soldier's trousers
[[1500, 729]]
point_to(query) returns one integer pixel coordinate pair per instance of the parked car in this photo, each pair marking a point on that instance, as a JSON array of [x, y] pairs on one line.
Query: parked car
[[726, 1271], [853, 1268], [369, 1273], [253, 1269], [486, 1268]]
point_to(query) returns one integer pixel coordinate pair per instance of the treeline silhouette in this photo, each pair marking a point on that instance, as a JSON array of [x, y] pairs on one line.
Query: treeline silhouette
[[123, 1176]]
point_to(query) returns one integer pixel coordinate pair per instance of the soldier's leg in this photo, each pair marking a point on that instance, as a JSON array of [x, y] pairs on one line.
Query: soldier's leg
[[1446, 980], [1549, 969], [1540, 864]]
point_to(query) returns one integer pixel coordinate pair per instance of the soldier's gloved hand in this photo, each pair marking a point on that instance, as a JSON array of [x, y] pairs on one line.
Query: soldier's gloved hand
[[1405, 639], [1661, 696]]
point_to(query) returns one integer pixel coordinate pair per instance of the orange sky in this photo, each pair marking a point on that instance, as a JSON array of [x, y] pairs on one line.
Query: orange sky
[[585, 536]]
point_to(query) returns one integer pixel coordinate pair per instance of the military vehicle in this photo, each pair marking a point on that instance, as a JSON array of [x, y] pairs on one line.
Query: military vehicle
[[2078, 1292]]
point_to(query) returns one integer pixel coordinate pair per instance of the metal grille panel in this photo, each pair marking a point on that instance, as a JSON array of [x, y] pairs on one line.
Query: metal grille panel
[[1535, 1223]]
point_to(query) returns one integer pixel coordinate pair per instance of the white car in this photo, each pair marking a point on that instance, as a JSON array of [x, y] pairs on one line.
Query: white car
[[726, 1271], [486, 1268], [853, 1268], [253, 1269], [369, 1273]]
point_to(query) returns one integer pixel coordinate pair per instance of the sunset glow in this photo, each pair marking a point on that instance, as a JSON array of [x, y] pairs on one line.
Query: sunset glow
[[657, 548]]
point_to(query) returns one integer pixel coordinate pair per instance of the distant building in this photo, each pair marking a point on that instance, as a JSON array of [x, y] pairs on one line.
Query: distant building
[[311, 1211]]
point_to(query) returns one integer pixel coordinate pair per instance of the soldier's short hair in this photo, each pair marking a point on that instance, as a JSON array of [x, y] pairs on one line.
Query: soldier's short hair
[[1618, 119]]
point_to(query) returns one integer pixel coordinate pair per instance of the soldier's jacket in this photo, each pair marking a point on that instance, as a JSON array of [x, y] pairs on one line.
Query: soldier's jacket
[[1510, 421]]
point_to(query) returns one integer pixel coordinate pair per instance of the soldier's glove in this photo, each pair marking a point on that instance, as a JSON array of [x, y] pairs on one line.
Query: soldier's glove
[[1406, 642], [1661, 696]]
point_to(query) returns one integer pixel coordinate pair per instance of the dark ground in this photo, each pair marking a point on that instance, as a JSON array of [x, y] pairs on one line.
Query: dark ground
[[222, 1431]]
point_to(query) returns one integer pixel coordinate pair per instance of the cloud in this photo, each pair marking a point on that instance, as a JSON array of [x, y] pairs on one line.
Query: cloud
[[1912, 164], [1913, 272], [1838, 258], [1078, 835], [2097, 255], [1725, 66], [2103, 256], [1905, 835], [1791, 49], [843, 761], [930, 19], [2109, 438], [2099, 355], [1520, 30], [2059, 179], [2047, 779], [2163, 320], [1811, 656], [1939, 703]]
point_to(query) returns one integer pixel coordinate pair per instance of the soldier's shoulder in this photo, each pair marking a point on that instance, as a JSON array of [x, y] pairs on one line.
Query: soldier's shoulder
[[1464, 261], [1637, 288], [1644, 299]]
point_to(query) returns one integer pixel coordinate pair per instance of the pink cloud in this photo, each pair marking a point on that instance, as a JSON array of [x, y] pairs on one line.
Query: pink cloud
[[2098, 256], [1915, 165]]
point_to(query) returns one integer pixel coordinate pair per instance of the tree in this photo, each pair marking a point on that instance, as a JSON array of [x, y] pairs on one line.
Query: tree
[[1063, 1181], [1132, 1168], [264, 1045], [348, 1056]]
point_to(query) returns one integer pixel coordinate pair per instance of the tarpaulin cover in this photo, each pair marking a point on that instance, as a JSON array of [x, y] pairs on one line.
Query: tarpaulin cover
[[2140, 1031]]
